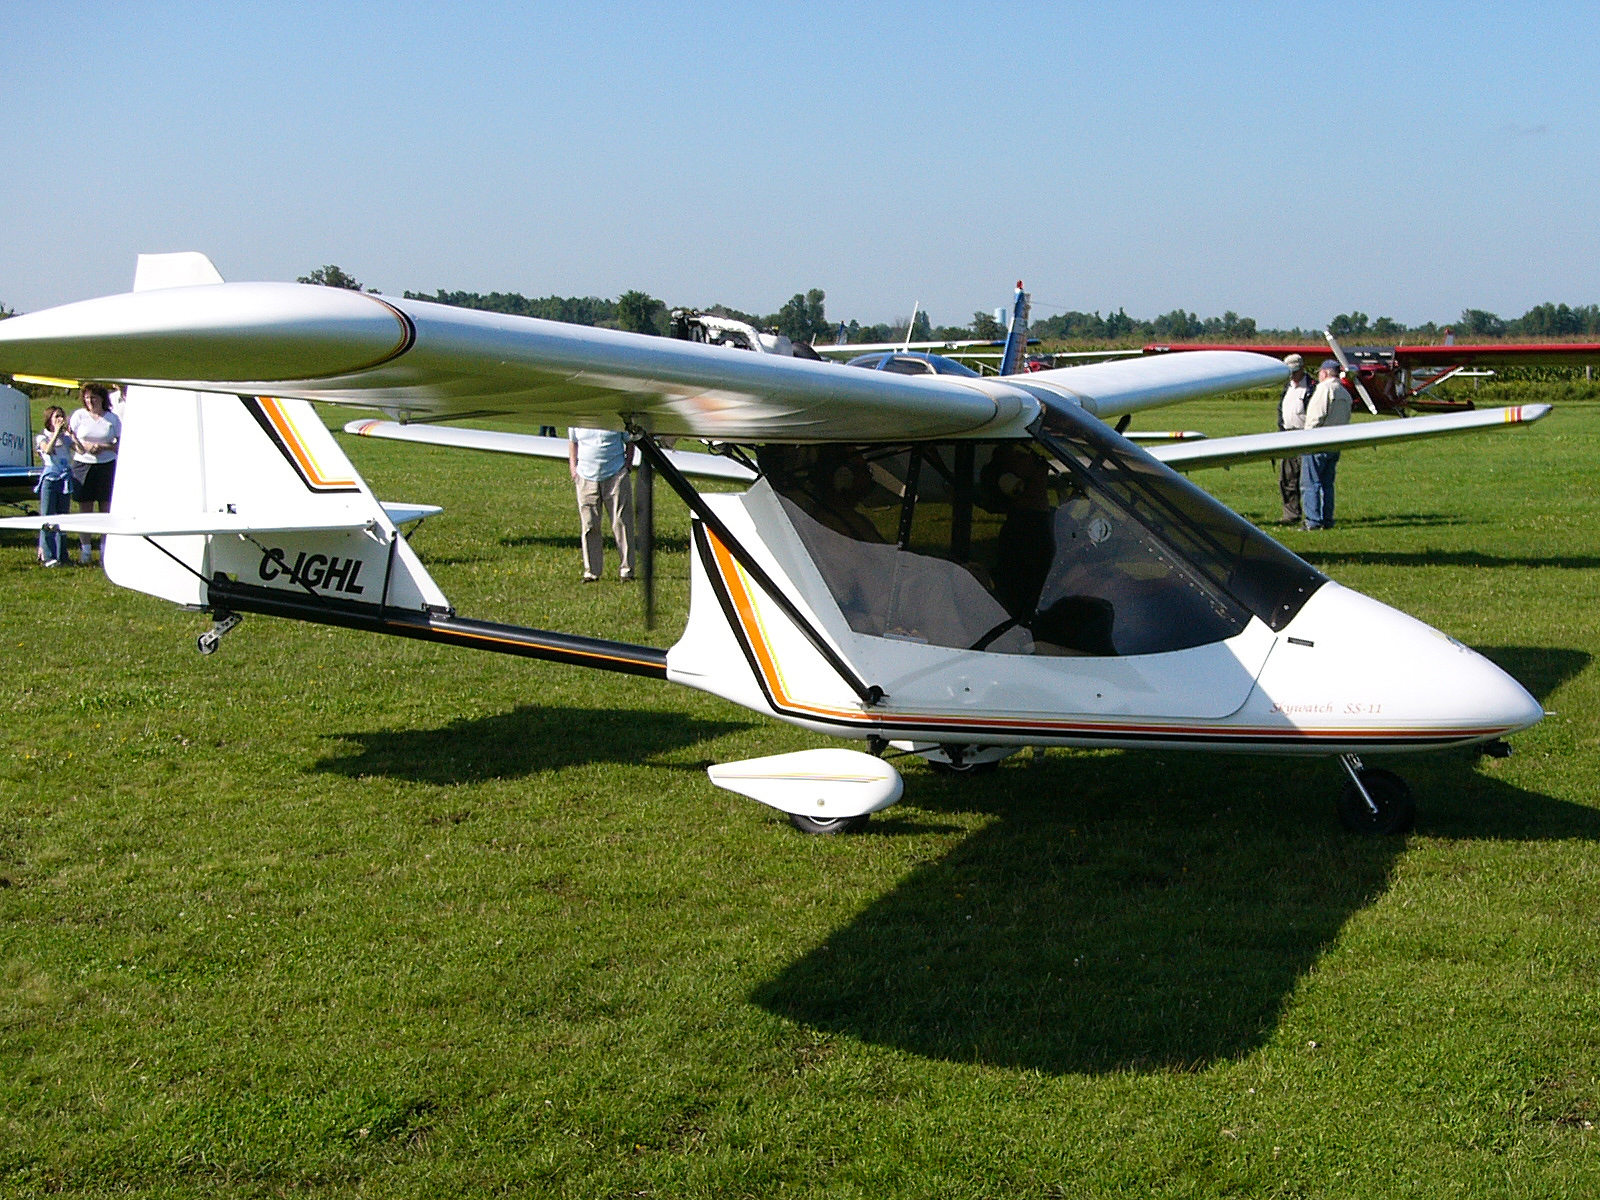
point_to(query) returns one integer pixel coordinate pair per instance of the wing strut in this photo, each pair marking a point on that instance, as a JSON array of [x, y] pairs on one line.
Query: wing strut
[[870, 693]]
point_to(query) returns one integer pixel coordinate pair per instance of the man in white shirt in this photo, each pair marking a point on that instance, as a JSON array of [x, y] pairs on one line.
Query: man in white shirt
[[599, 460], [1292, 415], [1329, 405]]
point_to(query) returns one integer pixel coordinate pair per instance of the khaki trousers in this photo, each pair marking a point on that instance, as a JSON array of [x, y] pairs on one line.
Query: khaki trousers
[[615, 495]]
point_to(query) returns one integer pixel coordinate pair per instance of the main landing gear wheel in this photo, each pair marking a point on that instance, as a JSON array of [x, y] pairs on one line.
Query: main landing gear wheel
[[829, 826], [962, 768], [964, 760], [1374, 801]]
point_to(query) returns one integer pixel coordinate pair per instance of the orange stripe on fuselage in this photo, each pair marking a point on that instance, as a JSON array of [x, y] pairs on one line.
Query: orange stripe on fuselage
[[755, 634], [297, 446]]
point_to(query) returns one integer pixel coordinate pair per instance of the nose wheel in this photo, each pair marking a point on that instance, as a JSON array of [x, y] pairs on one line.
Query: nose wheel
[[1375, 801]]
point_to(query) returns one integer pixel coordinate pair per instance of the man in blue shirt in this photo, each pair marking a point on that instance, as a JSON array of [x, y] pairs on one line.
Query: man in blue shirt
[[599, 460]]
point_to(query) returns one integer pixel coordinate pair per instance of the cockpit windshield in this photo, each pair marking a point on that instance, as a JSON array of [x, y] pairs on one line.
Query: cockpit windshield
[[1075, 543]]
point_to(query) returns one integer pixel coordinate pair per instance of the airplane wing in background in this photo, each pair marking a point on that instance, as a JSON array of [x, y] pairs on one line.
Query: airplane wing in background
[[1227, 451], [428, 361], [690, 462], [1532, 354]]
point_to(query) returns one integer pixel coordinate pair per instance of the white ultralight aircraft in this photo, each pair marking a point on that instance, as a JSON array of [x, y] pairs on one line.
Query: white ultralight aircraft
[[955, 566]]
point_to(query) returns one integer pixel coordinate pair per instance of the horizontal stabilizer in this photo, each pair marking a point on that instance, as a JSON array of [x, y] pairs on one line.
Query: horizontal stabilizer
[[705, 466], [401, 513], [155, 525], [1225, 452]]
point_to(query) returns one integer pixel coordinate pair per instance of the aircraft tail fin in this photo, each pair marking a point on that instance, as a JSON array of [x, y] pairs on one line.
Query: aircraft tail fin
[[16, 443], [219, 492], [1017, 335]]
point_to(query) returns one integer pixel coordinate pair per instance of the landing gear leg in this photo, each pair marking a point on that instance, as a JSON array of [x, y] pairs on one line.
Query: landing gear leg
[[1375, 801], [222, 622]]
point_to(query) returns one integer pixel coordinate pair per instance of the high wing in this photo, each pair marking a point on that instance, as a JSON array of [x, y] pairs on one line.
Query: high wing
[[1488, 354], [1532, 354], [690, 462], [1227, 451], [417, 360]]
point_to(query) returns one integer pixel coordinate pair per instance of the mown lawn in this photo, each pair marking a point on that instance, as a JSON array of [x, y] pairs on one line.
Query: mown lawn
[[328, 914]]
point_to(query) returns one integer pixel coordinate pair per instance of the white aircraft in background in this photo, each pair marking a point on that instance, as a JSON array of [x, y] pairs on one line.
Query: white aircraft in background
[[953, 565]]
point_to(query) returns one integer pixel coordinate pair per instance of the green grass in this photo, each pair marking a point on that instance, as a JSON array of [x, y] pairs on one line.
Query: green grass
[[329, 914]]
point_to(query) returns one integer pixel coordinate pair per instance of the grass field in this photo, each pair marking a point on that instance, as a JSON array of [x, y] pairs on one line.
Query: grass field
[[329, 914]]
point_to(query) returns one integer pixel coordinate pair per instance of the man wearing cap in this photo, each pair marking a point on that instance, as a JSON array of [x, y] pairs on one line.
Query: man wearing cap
[[1292, 415], [1329, 405]]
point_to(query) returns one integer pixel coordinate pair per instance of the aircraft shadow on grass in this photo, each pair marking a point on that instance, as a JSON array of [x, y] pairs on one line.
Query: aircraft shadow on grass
[[1405, 521], [525, 741], [1137, 911], [665, 543]]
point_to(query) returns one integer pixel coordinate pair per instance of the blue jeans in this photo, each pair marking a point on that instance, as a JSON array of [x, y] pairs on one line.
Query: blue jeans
[[1316, 488], [55, 499]]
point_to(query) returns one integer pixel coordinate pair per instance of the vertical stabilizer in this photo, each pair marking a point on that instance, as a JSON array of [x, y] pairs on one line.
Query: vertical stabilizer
[[1017, 335], [186, 269], [247, 470], [16, 443]]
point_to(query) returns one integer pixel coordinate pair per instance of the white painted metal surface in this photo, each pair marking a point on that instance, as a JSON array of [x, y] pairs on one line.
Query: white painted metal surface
[[433, 361], [690, 462], [1225, 452]]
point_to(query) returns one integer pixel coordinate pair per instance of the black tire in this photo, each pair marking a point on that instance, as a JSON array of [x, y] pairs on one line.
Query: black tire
[[1397, 807], [828, 826]]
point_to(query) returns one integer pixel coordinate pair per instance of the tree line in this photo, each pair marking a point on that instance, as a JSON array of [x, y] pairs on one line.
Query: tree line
[[804, 318]]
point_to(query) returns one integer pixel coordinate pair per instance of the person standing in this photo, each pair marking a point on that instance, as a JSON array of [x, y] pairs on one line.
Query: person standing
[[96, 430], [55, 485], [1292, 415], [1329, 405], [599, 460]]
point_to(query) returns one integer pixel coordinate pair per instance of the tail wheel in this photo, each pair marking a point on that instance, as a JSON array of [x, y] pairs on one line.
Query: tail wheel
[[1390, 795], [828, 826]]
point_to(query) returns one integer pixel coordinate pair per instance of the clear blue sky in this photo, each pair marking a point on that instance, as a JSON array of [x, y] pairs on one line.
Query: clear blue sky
[[1287, 162]]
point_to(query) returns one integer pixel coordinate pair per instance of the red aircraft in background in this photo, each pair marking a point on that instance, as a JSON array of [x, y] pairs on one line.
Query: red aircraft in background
[[1399, 379]]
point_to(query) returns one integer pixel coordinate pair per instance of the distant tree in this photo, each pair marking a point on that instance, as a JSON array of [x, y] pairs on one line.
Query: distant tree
[[637, 312], [6, 312], [1230, 326], [1387, 328], [1177, 325], [803, 318], [985, 326], [1476, 323], [1352, 324], [331, 276], [1549, 320], [574, 310]]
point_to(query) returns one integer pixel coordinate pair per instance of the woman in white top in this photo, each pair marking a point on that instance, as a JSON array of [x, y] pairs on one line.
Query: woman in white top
[[96, 430], [55, 485]]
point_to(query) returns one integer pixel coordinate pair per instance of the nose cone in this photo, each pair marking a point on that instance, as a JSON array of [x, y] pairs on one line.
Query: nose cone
[[1371, 669]]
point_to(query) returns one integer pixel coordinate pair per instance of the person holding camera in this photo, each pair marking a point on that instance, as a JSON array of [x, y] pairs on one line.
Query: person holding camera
[[55, 486]]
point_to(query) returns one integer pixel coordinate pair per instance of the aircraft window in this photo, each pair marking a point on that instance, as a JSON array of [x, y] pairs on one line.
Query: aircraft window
[[1005, 547], [949, 366]]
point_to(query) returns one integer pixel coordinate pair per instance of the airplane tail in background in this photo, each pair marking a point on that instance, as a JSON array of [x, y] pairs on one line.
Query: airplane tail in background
[[1017, 335], [16, 443]]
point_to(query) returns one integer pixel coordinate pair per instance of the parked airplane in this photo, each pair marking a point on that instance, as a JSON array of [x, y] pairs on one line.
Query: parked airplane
[[951, 565], [1399, 379]]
